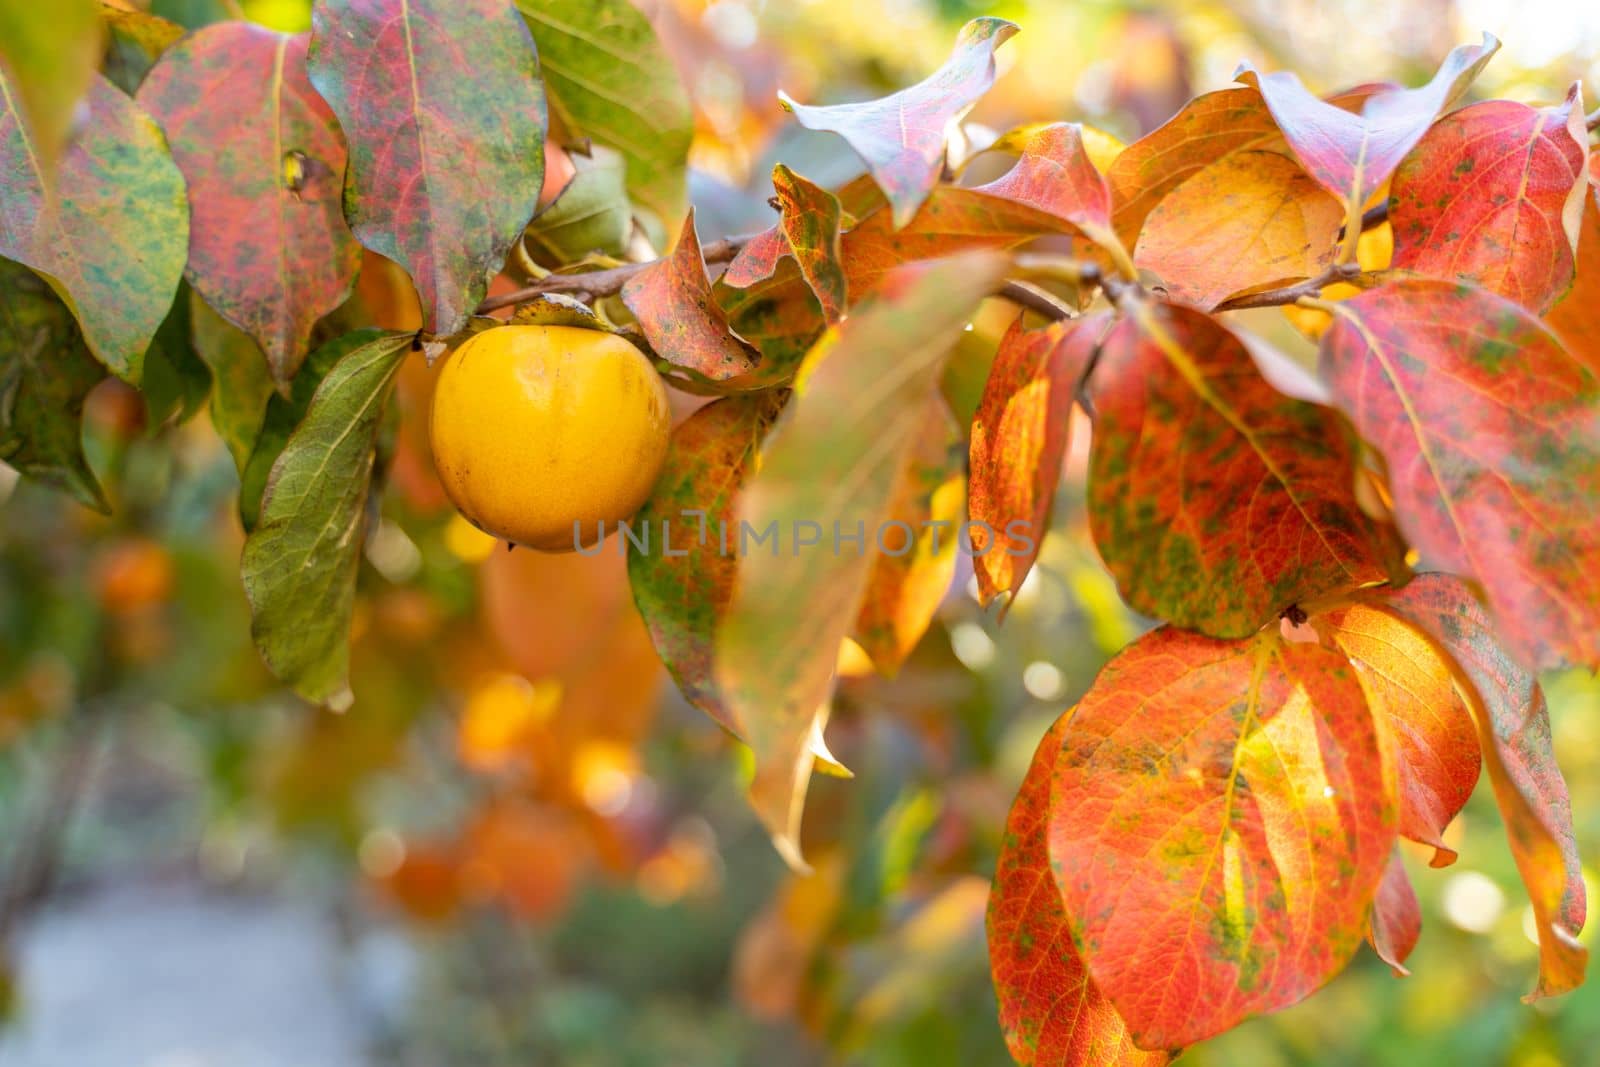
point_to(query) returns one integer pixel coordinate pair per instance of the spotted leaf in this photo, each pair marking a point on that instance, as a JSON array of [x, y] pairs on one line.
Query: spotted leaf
[[672, 299]]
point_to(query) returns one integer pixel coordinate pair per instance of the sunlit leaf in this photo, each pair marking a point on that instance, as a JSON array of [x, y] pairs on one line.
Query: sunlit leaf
[[1215, 500], [831, 463], [1019, 440], [264, 162], [1576, 319], [1514, 732], [112, 235], [299, 563], [1490, 431], [1493, 195], [1218, 827], [807, 230], [443, 109], [1050, 1011], [672, 299], [1396, 917], [901, 137], [47, 62], [1054, 173]]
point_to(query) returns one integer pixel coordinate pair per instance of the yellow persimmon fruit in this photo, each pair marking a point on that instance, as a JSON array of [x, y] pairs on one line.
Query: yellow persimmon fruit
[[543, 433]]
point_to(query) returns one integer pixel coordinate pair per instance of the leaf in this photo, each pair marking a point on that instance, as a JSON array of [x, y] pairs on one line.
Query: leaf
[[264, 162], [1053, 173], [1493, 195], [914, 551], [1252, 220], [1204, 131], [1576, 318], [1411, 691], [284, 414], [1050, 1011], [672, 300], [176, 380], [300, 561], [47, 63], [1216, 501], [45, 373], [1019, 440], [134, 41], [779, 315], [684, 593], [1353, 154], [901, 137], [112, 236], [591, 215], [831, 460], [443, 109], [1218, 827], [1514, 733], [241, 381], [808, 231], [1396, 917], [609, 79], [1489, 429]]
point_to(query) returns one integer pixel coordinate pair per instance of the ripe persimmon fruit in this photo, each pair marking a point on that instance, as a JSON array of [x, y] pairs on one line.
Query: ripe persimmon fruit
[[541, 434]]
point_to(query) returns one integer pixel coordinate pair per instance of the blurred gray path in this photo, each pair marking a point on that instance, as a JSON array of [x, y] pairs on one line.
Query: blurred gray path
[[181, 978]]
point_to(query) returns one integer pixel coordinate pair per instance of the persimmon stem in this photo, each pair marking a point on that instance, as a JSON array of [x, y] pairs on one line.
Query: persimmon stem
[[596, 284], [1289, 294]]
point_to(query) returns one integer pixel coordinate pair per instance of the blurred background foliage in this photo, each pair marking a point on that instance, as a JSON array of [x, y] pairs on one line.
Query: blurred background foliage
[[553, 846]]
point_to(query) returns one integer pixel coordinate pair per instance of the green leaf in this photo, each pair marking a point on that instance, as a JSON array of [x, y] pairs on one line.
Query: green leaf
[[45, 372], [300, 562], [242, 380], [51, 61], [609, 80], [592, 214], [284, 414], [113, 235], [176, 380], [134, 41], [834, 457]]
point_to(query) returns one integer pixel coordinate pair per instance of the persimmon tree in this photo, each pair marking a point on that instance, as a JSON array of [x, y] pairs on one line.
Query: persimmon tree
[[1360, 569]]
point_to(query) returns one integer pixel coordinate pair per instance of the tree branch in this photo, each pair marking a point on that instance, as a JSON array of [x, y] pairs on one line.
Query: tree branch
[[1268, 298], [609, 282]]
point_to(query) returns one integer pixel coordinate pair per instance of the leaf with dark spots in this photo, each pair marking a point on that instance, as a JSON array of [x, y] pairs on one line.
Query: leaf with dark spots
[[47, 62], [264, 161], [45, 373], [683, 324], [1215, 500], [1053, 173], [1218, 828], [1493, 195], [299, 564], [1411, 690], [1576, 318], [915, 557], [1019, 441], [610, 80], [1492, 442], [901, 138], [1353, 154], [112, 237], [807, 230], [1396, 923], [1252, 220], [683, 589], [443, 108], [1514, 733], [1050, 1011], [830, 462]]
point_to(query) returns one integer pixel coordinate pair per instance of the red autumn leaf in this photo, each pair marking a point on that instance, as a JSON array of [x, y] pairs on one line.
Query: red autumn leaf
[[1215, 500], [808, 230], [264, 161], [684, 586], [1576, 319], [1019, 439], [1218, 827], [1493, 195], [828, 467], [915, 549], [1396, 923], [112, 234], [1412, 694], [1054, 173], [1353, 154], [443, 109], [1514, 732], [778, 315], [901, 137], [1050, 1011], [1253, 219], [1487, 426], [672, 299]]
